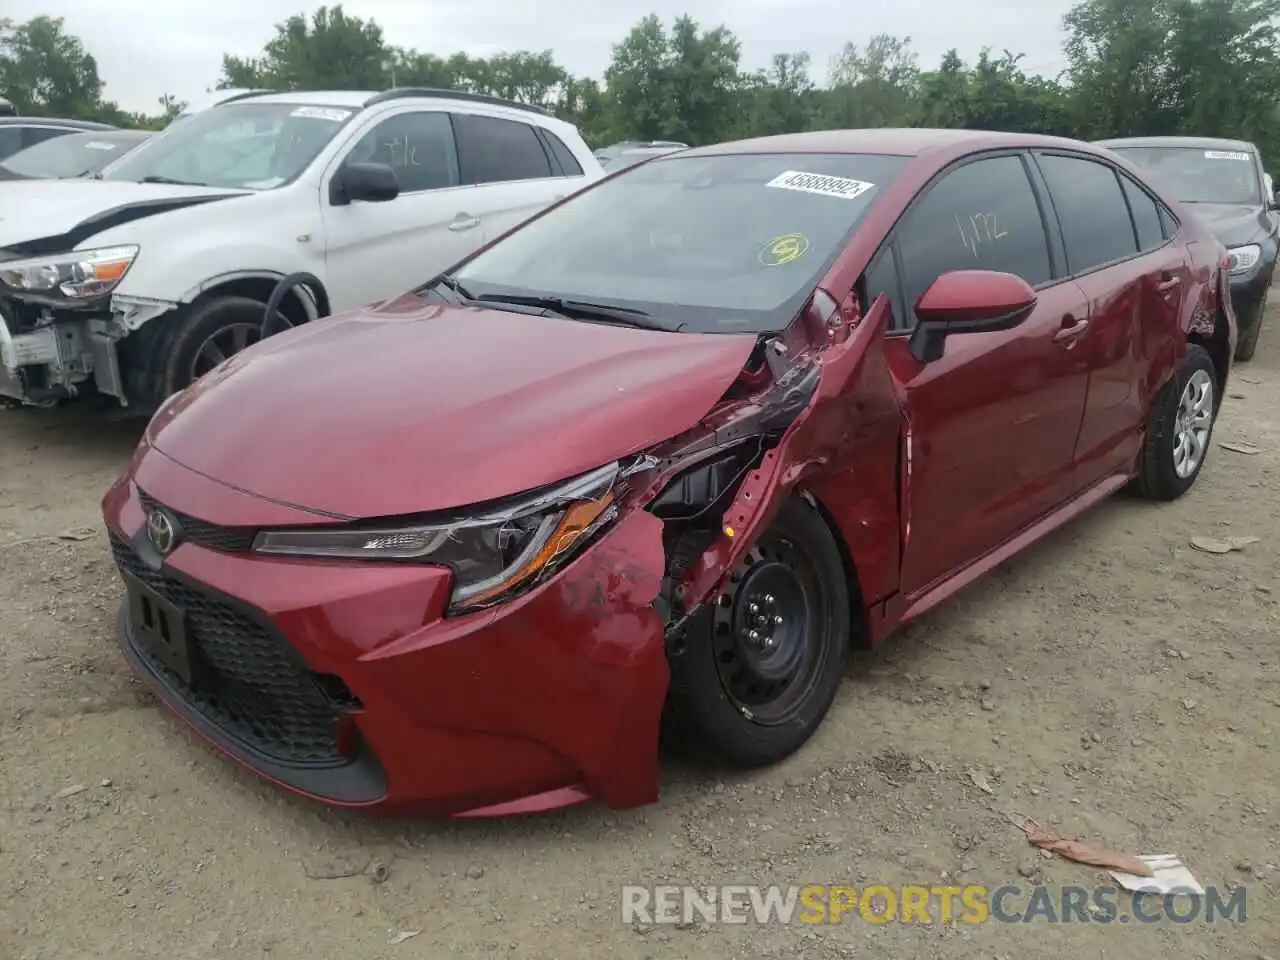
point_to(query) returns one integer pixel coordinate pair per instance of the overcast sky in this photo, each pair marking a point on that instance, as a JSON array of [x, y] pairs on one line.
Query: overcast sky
[[145, 48]]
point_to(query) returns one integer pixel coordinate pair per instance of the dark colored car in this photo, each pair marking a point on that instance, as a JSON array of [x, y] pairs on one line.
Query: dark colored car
[[75, 155], [1222, 181], [18, 133], [674, 461]]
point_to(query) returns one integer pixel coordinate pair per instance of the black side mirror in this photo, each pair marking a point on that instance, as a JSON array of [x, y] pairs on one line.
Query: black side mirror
[[370, 182]]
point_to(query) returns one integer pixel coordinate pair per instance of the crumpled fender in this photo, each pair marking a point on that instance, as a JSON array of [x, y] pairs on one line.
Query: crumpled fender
[[802, 448]]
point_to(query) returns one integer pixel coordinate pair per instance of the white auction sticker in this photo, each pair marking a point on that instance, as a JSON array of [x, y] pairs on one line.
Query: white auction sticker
[[1226, 155], [322, 113], [99, 145], [820, 183]]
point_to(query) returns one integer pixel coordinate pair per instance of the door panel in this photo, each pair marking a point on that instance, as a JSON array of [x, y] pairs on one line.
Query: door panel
[[991, 432], [991, 426], [379, 250], [1107, 219]]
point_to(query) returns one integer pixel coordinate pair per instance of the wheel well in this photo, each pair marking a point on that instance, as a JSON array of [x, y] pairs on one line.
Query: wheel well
[[859, 632], [1216, 344], [259, 288]]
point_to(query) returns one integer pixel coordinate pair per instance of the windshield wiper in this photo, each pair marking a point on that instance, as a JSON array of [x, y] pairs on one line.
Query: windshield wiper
[[177, 183], [585, 310], [453, 283]]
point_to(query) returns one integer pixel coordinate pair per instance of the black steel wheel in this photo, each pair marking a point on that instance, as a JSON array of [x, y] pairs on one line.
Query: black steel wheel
[[759, 668]]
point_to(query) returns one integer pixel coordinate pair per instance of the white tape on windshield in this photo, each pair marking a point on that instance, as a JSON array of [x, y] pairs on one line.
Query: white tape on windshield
[[322, 113], [824, 185]]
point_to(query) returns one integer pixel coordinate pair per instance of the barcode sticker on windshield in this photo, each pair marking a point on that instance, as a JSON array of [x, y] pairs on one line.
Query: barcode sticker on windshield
[[322, 113], [820, 183], [99, 145], [1226, 155]]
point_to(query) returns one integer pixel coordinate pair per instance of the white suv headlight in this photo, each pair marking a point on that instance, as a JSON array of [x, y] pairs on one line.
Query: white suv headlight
[[1243, 259], [78, 275]]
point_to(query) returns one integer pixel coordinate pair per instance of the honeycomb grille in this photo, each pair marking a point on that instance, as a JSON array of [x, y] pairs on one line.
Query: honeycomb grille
[[205, 534], [245, 679]]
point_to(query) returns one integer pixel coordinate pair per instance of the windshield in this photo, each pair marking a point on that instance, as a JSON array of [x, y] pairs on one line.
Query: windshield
[[1197, 175], [250, 146], [73, 155], [729, 244]]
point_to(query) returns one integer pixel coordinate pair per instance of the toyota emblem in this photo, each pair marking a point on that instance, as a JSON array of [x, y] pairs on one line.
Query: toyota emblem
[[162, 531]]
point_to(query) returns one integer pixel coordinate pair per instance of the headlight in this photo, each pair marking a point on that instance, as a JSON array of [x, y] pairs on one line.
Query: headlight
[[492, 554], [79, 275], [1243, 259]]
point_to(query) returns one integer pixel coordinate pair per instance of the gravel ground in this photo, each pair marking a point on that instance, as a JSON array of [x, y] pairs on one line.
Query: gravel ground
[[1113, 683]]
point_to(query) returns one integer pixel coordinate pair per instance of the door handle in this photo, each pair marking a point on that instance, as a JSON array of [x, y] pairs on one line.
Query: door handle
[[1168, 285], [1071, 329], [462, 221]]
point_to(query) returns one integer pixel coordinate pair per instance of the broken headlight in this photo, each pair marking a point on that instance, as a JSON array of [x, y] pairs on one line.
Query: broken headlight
[[76, 276], [492, 554]]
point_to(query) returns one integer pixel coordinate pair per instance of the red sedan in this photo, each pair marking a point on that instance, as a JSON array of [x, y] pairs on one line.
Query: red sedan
[[659, 457]]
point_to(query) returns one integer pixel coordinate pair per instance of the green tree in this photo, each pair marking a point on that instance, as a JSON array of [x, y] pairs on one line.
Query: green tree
[[680, 86], [330, 51], [46, 71], [875, 86]]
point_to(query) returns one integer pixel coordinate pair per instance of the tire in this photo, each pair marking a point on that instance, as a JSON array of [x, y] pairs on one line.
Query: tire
[[199, 334], [1248, 344], [1160, 477], [794, 572]]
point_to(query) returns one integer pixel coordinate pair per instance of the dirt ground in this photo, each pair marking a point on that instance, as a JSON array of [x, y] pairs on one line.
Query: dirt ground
[[1112, 683]]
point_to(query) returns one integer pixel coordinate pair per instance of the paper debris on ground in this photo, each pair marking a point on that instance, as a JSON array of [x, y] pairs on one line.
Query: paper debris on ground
[[1082, 851], [1216, 545], [979, 780], [398, 938], [1240, 446], [1168, 875]]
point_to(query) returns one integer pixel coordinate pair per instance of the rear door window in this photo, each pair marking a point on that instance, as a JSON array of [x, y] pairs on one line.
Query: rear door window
[[569, 164], [1091, 209], [980, 216], [491, 150], [1146, 216]]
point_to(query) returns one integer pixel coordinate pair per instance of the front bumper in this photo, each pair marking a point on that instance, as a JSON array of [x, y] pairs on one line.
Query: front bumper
[[344, 682], [58, 360]]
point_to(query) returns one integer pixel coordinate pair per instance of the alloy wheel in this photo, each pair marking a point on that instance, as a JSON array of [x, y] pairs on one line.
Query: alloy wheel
[[221, 345], [1192, 423]]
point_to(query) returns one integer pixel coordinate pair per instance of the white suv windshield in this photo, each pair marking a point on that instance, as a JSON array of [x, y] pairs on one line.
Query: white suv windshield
[[726, 243], [249, 145]]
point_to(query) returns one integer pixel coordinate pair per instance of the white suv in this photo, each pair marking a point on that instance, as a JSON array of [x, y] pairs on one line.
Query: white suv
[[134, 284]]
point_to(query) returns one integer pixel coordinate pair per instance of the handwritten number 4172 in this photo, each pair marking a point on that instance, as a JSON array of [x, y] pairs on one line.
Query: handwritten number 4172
[[982, 228]]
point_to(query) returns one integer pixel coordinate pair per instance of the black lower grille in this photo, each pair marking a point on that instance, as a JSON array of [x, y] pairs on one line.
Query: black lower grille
[[245, 679], [209, 535]]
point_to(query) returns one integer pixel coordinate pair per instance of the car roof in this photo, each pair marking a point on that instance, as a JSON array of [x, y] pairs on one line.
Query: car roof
[[891, 141], [55, 121], [1194, 143]]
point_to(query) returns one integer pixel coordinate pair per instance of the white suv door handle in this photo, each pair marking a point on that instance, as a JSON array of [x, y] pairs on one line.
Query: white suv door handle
[[464, 221]]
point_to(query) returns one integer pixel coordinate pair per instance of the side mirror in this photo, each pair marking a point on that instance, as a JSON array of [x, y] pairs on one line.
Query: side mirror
[[968, 301], [370, 182]]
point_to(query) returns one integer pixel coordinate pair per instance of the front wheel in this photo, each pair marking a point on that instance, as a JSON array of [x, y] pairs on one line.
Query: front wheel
[[760, 668], [1179, 428], [202, 336]]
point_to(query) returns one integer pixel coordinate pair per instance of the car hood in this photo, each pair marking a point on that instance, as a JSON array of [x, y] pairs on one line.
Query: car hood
[[33, 210], [1233, 223], [414, 407]]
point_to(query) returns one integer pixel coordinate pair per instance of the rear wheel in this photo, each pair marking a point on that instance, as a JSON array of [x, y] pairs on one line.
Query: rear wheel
[[1179, 428], [760, 668], [203, 336]]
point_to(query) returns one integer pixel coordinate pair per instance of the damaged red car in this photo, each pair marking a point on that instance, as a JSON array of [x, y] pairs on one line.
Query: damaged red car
[[658, 458]]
